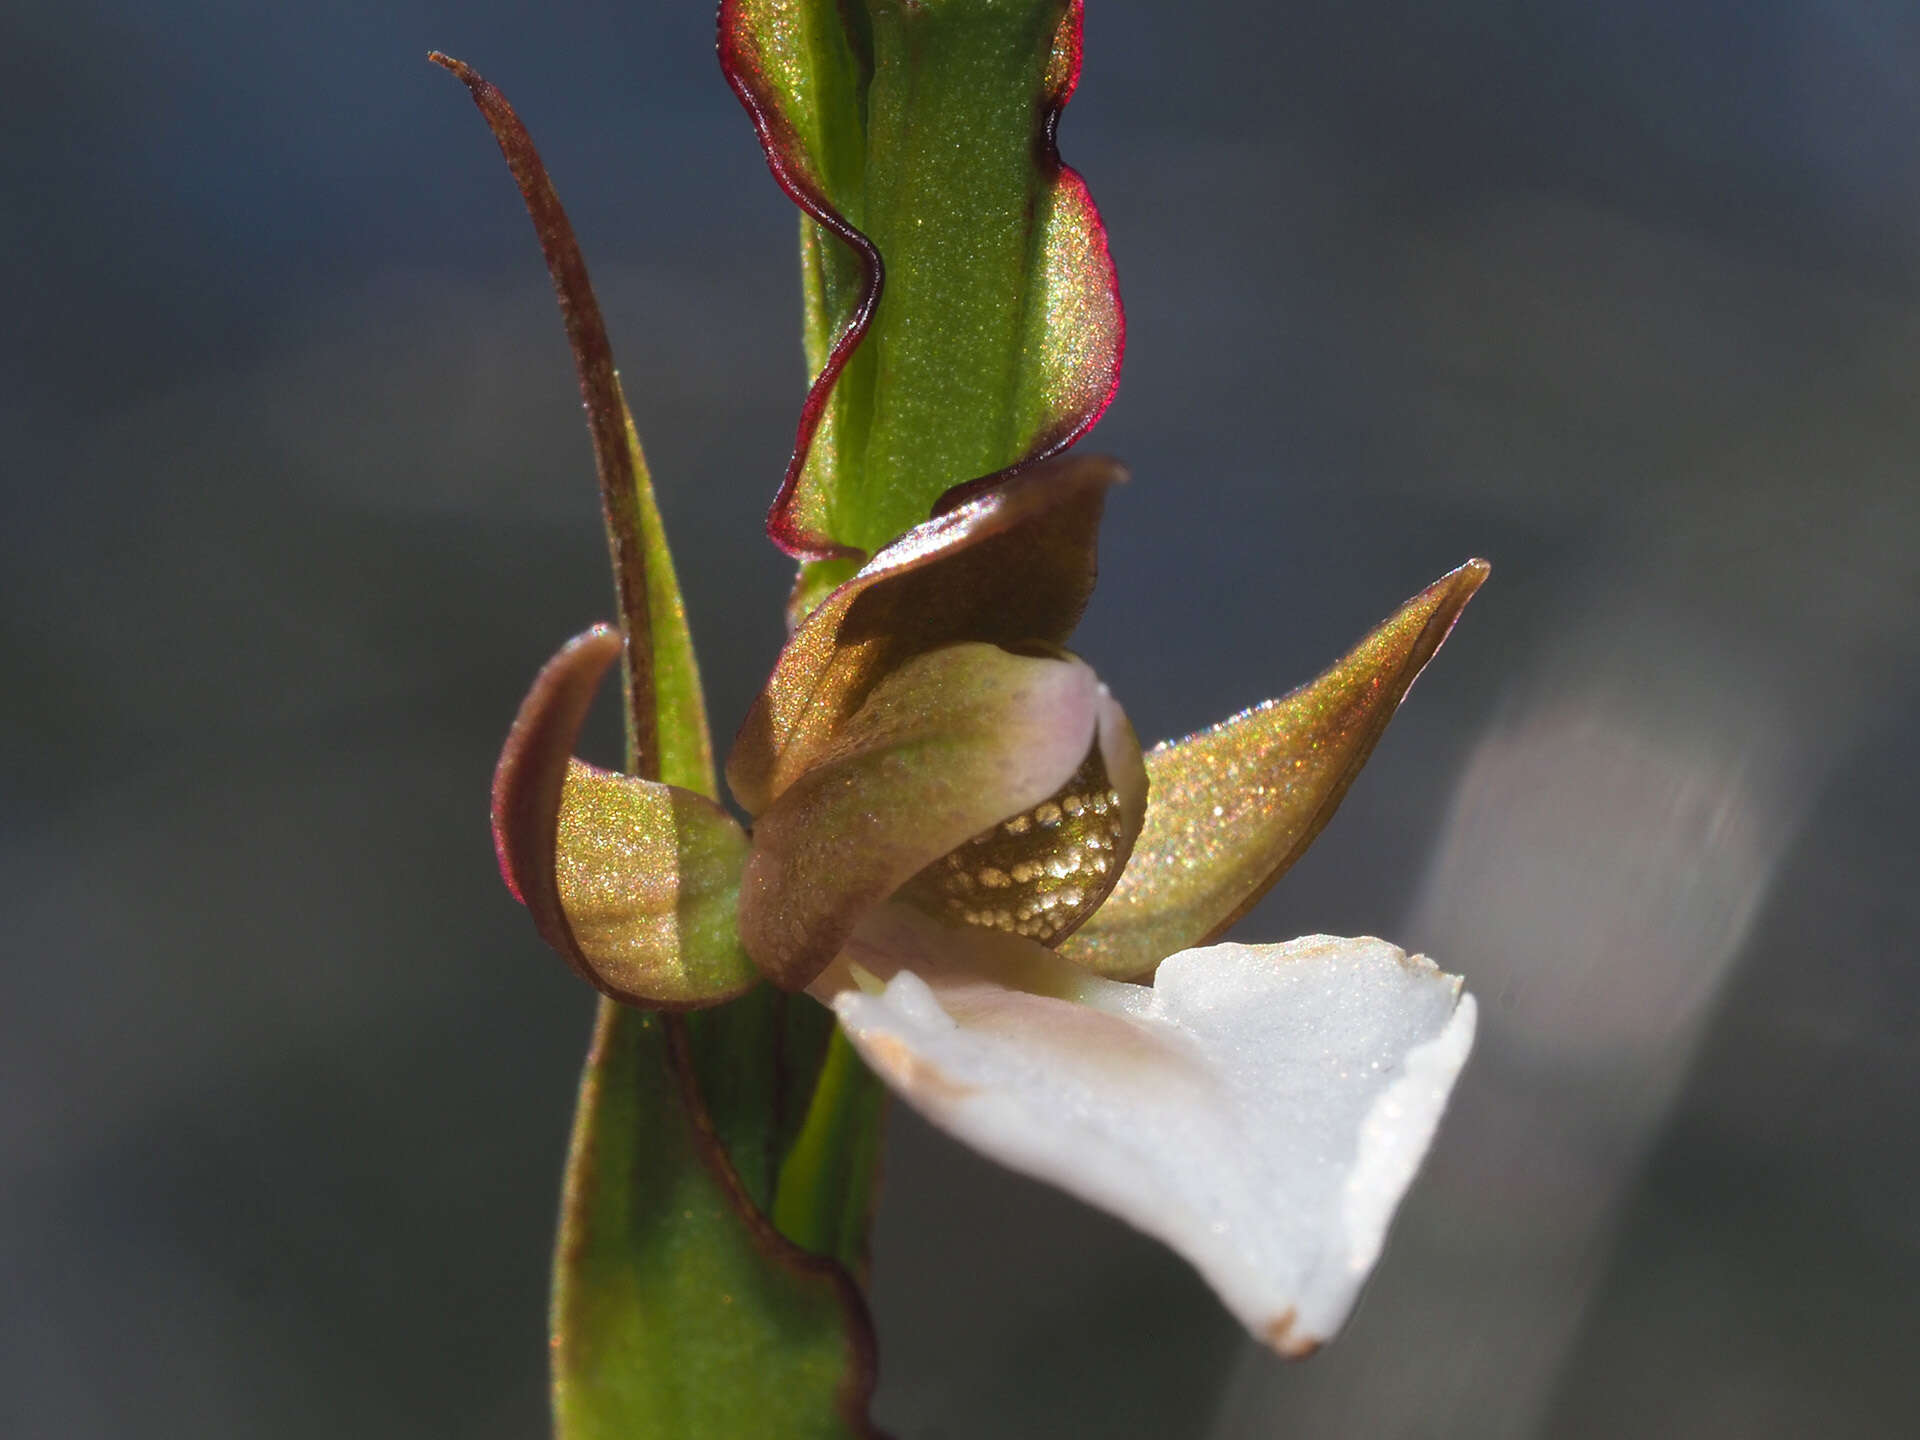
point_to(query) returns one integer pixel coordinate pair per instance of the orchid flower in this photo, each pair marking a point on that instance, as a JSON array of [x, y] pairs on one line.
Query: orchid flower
[[955, 844], [958, 845]]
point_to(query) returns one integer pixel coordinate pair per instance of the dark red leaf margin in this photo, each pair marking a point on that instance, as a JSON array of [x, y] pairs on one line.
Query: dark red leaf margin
[[743, 62], [1063, 78]]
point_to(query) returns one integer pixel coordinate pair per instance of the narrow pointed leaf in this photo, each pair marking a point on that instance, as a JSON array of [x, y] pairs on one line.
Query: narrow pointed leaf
[[607, 420], [1230, 809], [962, 311], [677, 1307], [680, 703]]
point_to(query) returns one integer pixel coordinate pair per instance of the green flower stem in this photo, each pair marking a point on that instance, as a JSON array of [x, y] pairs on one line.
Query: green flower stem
[[677, 1309], [824, 1202]]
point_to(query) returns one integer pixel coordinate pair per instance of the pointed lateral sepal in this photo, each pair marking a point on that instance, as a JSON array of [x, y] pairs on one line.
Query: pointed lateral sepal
[[1231, 808], [926, 134], [633, 883]]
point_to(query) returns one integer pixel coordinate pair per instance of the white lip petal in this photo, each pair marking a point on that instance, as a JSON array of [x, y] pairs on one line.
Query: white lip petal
[[1260, 1108]]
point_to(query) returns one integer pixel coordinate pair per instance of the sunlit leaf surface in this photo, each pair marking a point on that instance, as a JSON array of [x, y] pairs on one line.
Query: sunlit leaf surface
[[961, 303], [678, 1308]]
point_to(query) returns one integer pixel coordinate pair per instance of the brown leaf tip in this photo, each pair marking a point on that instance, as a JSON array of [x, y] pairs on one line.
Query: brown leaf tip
[[1280, 1337], [458, 68]]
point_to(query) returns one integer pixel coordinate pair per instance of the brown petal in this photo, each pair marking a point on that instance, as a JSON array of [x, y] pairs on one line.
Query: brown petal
[[632, 882], [1041, 872], [1014, 564], [1230, 809], [946, 747]]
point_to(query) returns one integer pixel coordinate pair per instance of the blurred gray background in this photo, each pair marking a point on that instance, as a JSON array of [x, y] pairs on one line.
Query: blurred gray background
[[296, 498]]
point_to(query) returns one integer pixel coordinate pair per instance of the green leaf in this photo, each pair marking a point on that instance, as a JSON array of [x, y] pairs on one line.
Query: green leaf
[[918, 136], [678, 1309], [680, 703]]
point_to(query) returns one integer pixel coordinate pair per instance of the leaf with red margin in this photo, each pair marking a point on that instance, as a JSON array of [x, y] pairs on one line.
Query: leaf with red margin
[[678, 1308], [991, 335]]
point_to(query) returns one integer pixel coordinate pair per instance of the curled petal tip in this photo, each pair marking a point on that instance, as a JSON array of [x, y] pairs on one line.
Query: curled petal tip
[[532, 772], [631, 882]]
